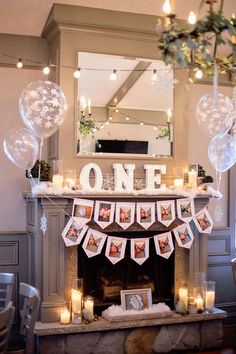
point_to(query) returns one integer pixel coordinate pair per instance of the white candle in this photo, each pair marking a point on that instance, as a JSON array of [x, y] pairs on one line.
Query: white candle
[[183, 296], [65, 316], [57, 181], [210, 300], [70, 182], [89, 304], [76, 299], [179, 183], [199, 303], [192, 179]]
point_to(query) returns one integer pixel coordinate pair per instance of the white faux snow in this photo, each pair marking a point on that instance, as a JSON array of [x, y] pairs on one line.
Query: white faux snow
[[117, 311]]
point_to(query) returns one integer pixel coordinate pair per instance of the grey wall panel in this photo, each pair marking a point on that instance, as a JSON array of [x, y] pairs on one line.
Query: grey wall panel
[[9, 253]]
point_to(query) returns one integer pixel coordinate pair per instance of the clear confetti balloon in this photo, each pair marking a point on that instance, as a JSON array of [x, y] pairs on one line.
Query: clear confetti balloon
[[21, 147], [222, 152], [43, 107], [215, 114]]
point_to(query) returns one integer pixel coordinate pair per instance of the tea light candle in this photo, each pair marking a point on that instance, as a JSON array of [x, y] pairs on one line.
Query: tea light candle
[[199, 303], [70, 182], [65, 316], [210, 300], [178, 183], [57, 181], [76, 299], [89, 304], [183, 296], [192, 179]]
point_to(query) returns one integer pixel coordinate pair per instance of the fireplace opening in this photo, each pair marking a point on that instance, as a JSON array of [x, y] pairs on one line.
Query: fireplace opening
[[103, 280]]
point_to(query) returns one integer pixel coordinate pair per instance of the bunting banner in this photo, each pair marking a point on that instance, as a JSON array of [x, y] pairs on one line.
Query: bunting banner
[[145, 214], [73, 233], [166, 212], [93, 243], [115, 249], [203, 221], [125, 214], [104, 213], [184, 235], [164, 244], [139, 249], [185, 209], [82, 210]]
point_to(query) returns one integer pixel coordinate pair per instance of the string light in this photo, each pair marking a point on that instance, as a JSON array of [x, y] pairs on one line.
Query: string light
[[192, 18], [113, 76], [199, 74], [76, 73], [110, 117], [154, 77], [166, 8], [46, 70], [127, 118], [142, 124], [19, 64]]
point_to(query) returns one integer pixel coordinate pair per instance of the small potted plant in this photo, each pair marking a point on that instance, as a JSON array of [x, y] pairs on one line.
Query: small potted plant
[[45, 172], [207, 179]]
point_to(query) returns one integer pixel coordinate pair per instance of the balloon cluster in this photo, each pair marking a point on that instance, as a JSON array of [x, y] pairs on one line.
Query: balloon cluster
[[216, 115], [42, 108]]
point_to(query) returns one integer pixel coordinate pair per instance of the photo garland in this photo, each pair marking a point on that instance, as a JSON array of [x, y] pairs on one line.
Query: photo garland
[[124, 214]]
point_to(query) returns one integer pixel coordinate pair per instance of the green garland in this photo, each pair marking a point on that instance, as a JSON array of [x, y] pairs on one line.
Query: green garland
[[192, 47]]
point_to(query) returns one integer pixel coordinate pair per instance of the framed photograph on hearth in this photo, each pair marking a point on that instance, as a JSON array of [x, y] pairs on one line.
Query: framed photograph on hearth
[[136, 299]]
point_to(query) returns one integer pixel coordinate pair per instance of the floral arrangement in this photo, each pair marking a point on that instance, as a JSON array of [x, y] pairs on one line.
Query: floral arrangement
[[192, 46]]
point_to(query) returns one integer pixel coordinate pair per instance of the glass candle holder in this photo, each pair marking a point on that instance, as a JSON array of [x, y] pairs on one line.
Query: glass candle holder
[[89, 304], [192, 176], [183, 295], [70, 178], [209, 295], [65, 313], [76, 302]]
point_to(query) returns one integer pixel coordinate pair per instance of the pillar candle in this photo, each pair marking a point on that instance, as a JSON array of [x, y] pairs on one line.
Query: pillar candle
[[76, 299], [192, 179], [199, 303], [183, 296], [57, 181], [179, 183], [210, 300], [89, 304]]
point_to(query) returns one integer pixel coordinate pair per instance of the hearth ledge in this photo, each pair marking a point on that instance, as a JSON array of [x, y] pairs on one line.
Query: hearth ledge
[[55, 328]]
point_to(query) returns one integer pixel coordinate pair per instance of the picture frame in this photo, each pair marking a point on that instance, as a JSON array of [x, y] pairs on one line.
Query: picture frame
[[136, 299], [82, 210], [185, 209], [164, 244], [145, 214], [73, 232], [203, 221], [166, 212], [184, 235], [104, 213]]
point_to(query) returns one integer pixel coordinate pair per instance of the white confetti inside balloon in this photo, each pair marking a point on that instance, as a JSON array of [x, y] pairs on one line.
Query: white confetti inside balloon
[[215, 114], [43, 107], [222, 152]]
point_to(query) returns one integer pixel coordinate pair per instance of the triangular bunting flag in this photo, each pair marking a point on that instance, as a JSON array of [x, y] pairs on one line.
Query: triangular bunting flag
[[139, 250], [73, 232], [166, 212], [115, 249], [104, 213], [145, 214], [94, 242], [125, 214], [185, 209], [203, 221], [184, 235], [82, 210], [164, 244]]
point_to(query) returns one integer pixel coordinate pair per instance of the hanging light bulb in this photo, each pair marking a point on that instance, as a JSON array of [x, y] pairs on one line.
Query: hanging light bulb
[[154, 77], [46, 70], [166, 8], [116, 110], [19, 64], [76, 73], [192, 18], [113, 76], [199, 74]]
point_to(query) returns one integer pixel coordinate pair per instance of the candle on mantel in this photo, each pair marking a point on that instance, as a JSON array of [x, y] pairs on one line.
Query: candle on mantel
[[210, 300], [65, 316], [192, 179], [57, 181], [76, 299], [178, 183], [183, 296], [199, 303], [70, 182], [89, 304]]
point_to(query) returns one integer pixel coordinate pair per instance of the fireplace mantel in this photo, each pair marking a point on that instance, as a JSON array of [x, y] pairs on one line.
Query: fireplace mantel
[[53, 265]]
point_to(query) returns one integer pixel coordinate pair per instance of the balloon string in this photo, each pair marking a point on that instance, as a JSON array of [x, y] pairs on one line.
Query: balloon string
[[215, 82], [40, 158], [218, 180]]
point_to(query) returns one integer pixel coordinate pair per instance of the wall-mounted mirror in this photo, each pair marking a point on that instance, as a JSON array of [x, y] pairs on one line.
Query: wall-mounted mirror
[[125, 107]]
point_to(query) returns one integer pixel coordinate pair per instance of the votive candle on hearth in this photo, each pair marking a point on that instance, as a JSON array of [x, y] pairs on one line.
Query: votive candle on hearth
[[65, 314], [89, 304], [199, 303], [183, 296], [209, 295]]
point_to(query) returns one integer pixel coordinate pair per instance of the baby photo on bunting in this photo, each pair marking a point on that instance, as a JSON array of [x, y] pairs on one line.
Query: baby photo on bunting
[[139, 250], [73, 232], [82, 210], [145, 214], [184, 235], [115, 249], [164, 244], [104, 213], [94, 242], [125, 214], [166, 212], [203, 221], [185, 209]]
